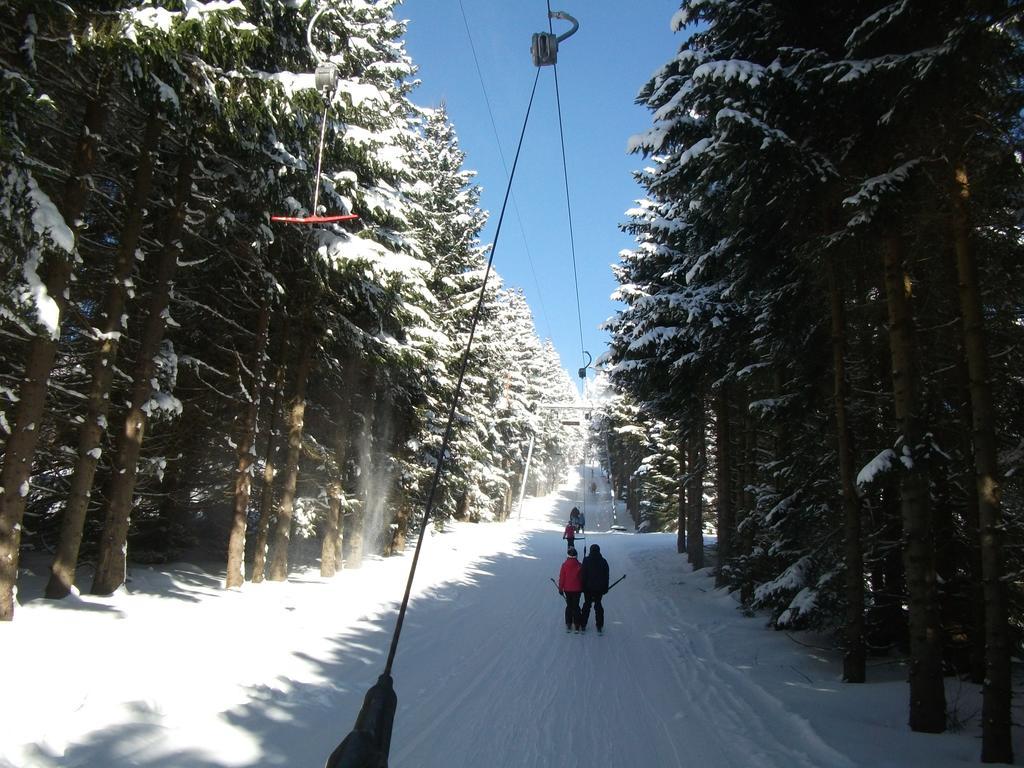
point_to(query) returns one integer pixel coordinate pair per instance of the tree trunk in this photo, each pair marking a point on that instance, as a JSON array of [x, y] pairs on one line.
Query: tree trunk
[[402, 517], [927, 694], [695, 461], [296, 419], [633, 502], [996, 691], [65, 561], [331, 550], [110, 566], [853, 630], [175, 489], [888, 619], [384, 497], [893, 567], [365, 448], [244, 453], [726, 523], [749, 527], [259, 556], [24, 437], [972, 521], [685, 479], [972, 530]]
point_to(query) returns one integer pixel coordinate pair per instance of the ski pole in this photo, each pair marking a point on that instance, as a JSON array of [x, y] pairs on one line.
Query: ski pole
[[616, 582], [554, 582]]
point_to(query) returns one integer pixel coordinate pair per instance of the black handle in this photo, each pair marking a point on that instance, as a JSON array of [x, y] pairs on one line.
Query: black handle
[[368, 744]]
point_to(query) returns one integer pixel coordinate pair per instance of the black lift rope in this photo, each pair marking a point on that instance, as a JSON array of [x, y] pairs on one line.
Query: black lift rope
[[572, 249], [369, 742]]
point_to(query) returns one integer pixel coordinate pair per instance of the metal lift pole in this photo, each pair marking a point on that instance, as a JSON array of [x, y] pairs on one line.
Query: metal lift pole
[[526, 474]]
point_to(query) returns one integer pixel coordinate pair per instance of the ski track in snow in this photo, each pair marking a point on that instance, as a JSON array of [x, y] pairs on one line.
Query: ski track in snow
[[520, 691], [710, 696]]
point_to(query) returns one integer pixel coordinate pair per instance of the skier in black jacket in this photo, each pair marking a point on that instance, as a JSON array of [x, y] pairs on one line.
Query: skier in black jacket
[[594, 575]]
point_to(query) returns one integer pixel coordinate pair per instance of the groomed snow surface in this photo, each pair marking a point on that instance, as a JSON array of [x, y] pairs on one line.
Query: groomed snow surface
[[175, 671]]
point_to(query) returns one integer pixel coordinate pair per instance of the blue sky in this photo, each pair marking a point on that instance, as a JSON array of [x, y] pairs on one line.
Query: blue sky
[[600, 69]]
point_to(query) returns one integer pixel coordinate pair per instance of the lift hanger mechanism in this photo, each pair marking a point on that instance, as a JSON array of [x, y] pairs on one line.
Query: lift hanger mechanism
[[582, 373], [544, 45], [326, 79]]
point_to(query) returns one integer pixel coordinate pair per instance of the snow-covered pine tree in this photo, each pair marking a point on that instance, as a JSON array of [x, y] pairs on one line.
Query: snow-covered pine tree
[[945, 102], [563, 443], [533, 376], [743, 169], [373, 303], [221, 37], [75, 52], [231, 80], [449, 221], [711, 295], [43, 216]]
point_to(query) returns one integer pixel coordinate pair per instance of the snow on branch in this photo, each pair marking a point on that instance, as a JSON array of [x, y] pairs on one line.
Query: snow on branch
[[797, 578], [920, 61], [161, 20], [651, 140], [733, 69], [655, 336], [42, 227], [880, 466], [873, 190], [690, 12], [46, 218], [875, 23]]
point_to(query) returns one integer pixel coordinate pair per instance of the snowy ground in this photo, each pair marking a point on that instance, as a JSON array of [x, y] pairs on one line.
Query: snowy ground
[[178, 672]]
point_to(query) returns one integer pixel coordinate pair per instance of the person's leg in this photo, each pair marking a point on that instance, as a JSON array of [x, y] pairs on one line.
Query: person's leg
[[598, 612], [575, 608], [585, 613], [568, 610]]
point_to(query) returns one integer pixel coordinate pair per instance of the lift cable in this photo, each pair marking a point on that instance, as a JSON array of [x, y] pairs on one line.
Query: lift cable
[[428, 513], [572, 240], [568, 201], [370, 739], [504, 165]]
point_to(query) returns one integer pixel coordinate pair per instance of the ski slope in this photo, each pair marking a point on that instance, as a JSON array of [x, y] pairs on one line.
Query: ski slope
[[175, 671], [518, 690]]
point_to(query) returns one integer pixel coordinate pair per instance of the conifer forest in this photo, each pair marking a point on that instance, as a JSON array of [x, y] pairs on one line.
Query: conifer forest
[[817, 356]]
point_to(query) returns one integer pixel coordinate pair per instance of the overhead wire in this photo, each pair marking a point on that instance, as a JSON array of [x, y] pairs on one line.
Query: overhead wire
[[428, 512], [572, 247], [568, 200], [504, 165], [369, 741]]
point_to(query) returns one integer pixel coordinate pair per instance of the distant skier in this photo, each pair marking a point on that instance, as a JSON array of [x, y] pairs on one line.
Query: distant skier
[[570, 535], [594, 582], [570, 586], [582, 523], [574, 518], [593, 488]]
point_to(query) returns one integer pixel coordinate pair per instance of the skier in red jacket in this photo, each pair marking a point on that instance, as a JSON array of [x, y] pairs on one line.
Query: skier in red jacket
[[570, 585], [570, 535]]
